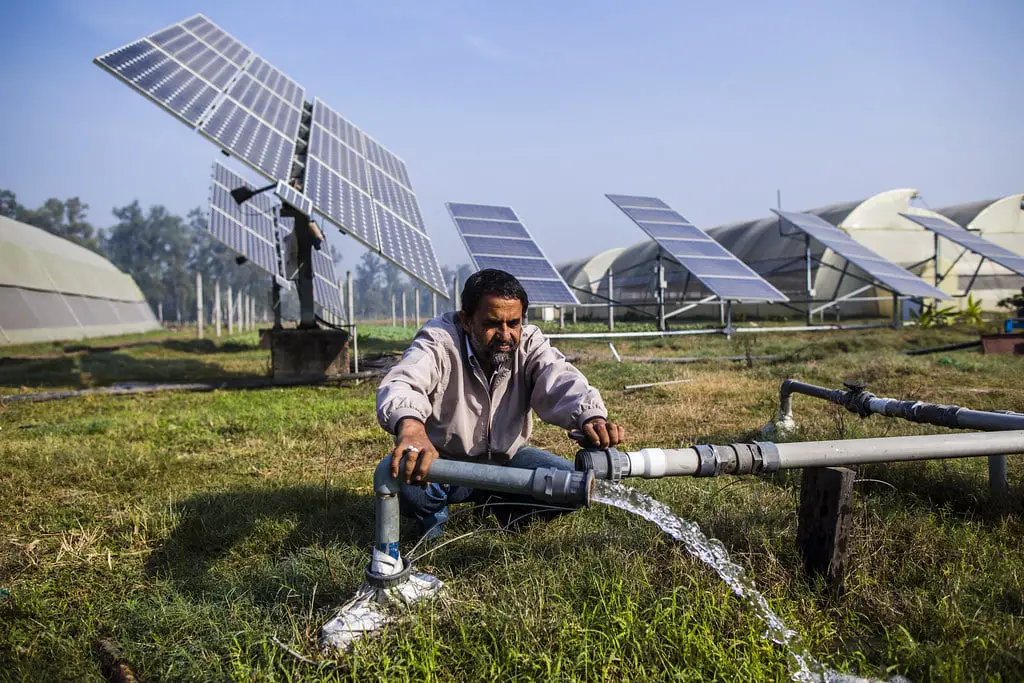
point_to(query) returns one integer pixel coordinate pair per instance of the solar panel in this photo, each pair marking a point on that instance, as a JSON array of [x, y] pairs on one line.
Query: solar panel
[[712, 264], [293, 197], [496, 238], [215, 84], [970, 241], [247, 229], [325, 283], [901, 281]]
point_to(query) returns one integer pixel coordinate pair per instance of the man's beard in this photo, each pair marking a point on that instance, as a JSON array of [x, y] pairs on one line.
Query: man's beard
[[489, 352]]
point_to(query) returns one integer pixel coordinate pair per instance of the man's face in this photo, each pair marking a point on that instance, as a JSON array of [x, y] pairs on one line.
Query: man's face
[[494, 329]]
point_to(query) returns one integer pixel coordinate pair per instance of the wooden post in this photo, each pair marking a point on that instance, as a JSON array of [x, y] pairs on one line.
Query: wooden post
[[231, 311], [216, 308], [824, 522], [199, 305]]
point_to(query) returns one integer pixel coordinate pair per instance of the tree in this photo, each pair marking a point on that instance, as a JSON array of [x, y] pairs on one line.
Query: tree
[[64, 219], [369, 285]]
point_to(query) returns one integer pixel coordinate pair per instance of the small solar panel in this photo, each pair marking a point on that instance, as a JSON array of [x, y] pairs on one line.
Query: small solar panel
[[341, 202], [496, 238], [325, 283], [713, 265], [291, 196], [970, 241], [247, 229], [901, 281]]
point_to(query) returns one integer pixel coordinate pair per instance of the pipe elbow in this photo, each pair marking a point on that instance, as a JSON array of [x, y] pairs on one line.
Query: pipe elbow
[[383, 483]]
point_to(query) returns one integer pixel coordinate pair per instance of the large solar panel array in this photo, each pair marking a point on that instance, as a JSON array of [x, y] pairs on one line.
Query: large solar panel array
[[496, 238], [901, 281], [247, 229], [970, 241], [215, 84], [708, 261]]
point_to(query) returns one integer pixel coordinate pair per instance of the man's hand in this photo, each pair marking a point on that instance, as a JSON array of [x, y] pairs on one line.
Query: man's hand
[[412, 443], [600, 432]]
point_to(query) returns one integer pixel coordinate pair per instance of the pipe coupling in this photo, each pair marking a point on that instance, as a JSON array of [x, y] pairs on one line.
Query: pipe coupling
[[388, 580], [562, 486], [605, 463]]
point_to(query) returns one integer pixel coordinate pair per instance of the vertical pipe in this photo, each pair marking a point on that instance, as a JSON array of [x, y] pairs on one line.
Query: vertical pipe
[[611, 300], [810, 285], [728, 320], [417, 300], [895, 310], [935, 259], [216, 308], [199, 305], [231, 311], [660, 293], [275, 303], [387, 524], [394, 318], [403, 309]]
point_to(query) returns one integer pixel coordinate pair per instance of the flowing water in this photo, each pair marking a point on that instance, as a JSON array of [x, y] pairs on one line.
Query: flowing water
[[804, 667]]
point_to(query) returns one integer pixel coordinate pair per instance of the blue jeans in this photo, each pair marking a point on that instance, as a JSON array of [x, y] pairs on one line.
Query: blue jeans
[[429, 504]]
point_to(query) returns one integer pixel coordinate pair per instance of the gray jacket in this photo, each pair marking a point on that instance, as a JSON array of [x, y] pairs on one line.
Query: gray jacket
[[438, 383]]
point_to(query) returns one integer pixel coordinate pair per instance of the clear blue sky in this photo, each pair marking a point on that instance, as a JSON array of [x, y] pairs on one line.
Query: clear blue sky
[[548, 105]]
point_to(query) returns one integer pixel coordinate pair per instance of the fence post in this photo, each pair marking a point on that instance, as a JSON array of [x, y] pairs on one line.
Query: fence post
[[216, 308], [417, 299], [350, 291], [456, 294], [394, 318], [433, 304], [231, 311], [199, 305], [238, 312], [403, 308]]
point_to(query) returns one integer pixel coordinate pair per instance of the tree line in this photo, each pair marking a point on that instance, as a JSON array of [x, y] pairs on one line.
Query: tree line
[[163, 252]]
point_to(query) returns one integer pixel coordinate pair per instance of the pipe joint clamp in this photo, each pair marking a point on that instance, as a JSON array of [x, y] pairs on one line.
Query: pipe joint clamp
[[562, 486], [389, 580], [708, 461], [605, 463], [769, 457]]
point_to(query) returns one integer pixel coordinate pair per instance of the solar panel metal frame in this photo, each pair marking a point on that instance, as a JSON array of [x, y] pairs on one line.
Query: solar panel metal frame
[[245, 209], [528, 239], [971, 241], [636, 208], [822, 231]]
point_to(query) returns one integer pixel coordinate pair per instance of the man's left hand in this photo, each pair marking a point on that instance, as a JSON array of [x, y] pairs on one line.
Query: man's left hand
[[602, 433]]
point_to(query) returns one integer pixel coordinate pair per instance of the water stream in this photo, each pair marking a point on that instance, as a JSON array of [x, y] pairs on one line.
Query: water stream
[[804, 667]]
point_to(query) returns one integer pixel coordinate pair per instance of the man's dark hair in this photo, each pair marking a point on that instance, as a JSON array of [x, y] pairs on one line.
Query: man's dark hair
[[491, 282]]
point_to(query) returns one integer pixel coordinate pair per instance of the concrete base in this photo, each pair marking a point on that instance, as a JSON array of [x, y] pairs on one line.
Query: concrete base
[[1003, 343], [307, 353]]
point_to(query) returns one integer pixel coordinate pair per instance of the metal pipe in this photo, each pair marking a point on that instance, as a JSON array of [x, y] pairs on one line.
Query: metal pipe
[[757, 457], [544, 484], [857, 400]]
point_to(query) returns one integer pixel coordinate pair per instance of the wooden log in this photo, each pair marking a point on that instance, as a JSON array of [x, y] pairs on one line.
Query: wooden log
[[824, 522]]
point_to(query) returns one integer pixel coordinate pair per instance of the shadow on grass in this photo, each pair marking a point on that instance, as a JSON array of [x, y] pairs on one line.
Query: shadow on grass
[[230, 529], [104, 368]]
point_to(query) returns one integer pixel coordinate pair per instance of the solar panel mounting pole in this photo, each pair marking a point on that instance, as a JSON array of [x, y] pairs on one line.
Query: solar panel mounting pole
[[661, 293], [275, 303], [304, 282], [810, 284], [611, 301]]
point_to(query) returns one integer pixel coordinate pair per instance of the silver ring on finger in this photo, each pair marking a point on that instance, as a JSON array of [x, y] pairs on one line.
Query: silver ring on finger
[[410, 449]]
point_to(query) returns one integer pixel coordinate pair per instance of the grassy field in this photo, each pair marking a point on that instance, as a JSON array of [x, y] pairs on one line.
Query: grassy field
[[192, 528]]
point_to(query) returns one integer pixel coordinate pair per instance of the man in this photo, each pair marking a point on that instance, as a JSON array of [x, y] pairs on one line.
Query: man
[[464, 390]]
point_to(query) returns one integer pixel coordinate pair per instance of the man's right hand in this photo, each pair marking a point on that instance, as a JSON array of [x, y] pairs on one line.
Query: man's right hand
[[411, 442]]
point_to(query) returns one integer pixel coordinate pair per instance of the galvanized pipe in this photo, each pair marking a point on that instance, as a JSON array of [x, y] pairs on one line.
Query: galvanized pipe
[[757, 457], [864, 403]]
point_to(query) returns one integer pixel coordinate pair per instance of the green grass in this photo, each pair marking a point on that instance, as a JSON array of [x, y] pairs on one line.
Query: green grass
[[192, 528]]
